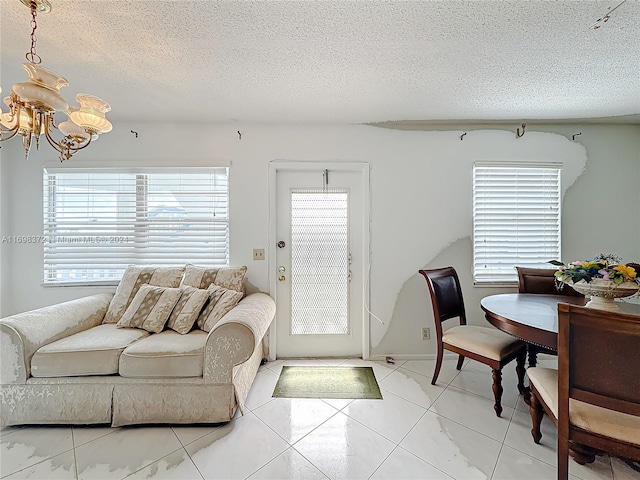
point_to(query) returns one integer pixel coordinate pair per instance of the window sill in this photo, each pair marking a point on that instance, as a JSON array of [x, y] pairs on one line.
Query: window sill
[[81, 285]]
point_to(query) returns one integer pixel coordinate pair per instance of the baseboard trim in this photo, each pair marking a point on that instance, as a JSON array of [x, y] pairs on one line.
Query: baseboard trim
[[432, 356], [412, 356]]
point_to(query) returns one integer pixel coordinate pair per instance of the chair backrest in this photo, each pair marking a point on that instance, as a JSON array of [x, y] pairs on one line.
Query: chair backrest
[[446, 295], [598, 361], [542, 280]]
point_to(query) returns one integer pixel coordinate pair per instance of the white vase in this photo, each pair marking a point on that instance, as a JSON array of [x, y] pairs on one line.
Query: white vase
[[603, 292]]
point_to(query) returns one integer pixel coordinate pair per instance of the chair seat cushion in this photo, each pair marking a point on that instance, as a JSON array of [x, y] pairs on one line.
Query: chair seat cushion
[[91, 352], [486, 341], [165, 354], [592, 418]]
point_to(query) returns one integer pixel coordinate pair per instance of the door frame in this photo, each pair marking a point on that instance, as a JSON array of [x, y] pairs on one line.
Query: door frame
[[363, 168]]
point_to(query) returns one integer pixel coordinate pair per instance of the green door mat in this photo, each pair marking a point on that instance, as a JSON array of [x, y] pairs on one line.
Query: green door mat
[[327, 382]]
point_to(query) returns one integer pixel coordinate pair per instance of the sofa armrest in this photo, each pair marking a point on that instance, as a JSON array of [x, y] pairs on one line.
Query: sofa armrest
[[235, 337], [22, 334]]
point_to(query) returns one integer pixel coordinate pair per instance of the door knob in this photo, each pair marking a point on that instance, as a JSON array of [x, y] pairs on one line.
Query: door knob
[[281, 269], [281, 278]]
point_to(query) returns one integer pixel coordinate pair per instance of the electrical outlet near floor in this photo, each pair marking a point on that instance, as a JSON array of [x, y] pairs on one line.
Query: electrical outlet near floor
[[258, 253], [426, 333]]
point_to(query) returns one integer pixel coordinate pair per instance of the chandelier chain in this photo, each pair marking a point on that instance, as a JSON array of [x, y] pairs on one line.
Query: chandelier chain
[[31, 55]]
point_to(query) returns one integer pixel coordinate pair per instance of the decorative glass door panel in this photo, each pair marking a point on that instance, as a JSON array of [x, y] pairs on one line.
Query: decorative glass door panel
[[319, 261]]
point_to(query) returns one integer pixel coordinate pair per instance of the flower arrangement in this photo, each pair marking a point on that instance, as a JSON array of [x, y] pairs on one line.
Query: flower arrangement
[[607, 267]]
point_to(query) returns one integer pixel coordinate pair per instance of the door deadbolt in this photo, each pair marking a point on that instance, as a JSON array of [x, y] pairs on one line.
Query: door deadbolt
[[281, 244], [281, 269], [281, 278]]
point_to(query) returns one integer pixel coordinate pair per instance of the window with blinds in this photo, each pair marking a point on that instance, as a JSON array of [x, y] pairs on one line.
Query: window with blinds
[[516, 220], [99, 221]]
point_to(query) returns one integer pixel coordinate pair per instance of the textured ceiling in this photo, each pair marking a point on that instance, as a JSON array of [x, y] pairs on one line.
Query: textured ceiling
[[336, 61]]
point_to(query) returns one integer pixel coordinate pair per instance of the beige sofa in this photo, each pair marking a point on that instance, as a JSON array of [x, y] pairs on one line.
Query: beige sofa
[[62, 365]]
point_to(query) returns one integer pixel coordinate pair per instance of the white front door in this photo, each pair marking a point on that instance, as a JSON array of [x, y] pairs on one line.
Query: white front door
[[318, 261]]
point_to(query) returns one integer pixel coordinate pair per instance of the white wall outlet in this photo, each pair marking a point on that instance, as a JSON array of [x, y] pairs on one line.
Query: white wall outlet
[[258, 253], [426, 333]]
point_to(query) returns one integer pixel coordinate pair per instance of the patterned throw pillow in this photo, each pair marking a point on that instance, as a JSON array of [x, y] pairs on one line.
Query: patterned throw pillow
[[202, 277], [199, 277], [231, 278], [221, 301], [214, 293], [131, 281], [150, 308], [187, 309]]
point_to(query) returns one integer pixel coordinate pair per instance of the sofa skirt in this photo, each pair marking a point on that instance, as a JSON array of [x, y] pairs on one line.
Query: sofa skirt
[[116, 404], [51, 404], [176, 404]]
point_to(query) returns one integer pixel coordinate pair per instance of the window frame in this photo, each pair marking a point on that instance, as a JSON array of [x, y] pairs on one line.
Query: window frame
[[146, 237]]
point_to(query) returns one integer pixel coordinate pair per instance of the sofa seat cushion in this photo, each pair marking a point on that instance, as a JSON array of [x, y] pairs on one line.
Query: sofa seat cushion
[[91, 352], [165, 354]]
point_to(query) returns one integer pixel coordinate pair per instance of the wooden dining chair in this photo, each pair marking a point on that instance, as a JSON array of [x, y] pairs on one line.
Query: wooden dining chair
[[594, 396], [542, 280], [486, 345]]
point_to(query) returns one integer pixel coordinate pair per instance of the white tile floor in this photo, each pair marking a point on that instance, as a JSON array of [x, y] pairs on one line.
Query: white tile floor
[[418, 431]]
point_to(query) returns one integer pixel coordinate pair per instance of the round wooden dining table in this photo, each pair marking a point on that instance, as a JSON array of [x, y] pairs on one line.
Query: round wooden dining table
[[533, 317]]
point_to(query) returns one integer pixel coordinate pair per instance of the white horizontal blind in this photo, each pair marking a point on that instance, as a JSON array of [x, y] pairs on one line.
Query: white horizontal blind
[[516, 220], [99, 221]]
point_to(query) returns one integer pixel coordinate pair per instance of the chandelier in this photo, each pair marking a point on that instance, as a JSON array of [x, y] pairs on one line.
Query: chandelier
[[33, 104]]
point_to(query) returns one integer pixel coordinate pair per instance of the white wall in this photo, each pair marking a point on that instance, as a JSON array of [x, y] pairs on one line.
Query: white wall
[[599, 215], [10, 152], [420, 189]]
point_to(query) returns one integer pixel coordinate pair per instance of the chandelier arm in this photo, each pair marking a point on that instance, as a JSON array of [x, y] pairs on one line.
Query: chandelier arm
[[50, 139], [14, 104], [82, 145], [52, 121], [68, 146], [14, 115], [14, 131]]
